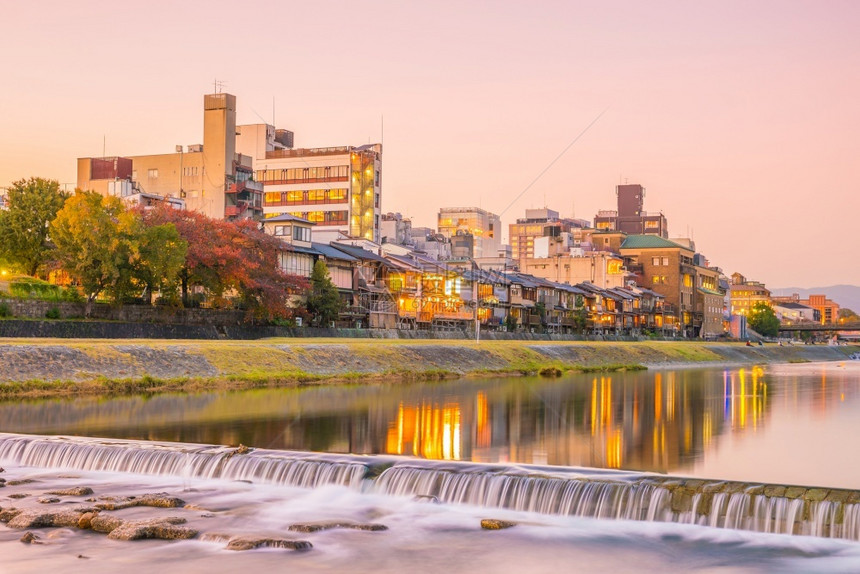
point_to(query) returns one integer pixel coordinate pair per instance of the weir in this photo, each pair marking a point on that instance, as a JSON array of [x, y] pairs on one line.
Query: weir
[[183, 460], [797, 510]]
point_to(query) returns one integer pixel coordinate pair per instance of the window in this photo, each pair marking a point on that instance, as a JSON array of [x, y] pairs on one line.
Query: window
[[665, 261], [377, 178], [655, 261], [152, 173], [282, 230], [134, 175], [302, 233]]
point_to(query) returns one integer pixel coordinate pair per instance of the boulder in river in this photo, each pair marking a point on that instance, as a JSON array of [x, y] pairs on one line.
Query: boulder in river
[[76, 491], [250, 543], [162, 528]]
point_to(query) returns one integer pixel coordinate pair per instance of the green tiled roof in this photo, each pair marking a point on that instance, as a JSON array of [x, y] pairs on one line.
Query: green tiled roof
[[649, 242]]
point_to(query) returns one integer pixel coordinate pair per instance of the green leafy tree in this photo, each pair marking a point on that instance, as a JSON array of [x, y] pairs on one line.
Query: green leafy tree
[[763, 320], [160, 258], [91, 233], [324, 302], [32, 205]]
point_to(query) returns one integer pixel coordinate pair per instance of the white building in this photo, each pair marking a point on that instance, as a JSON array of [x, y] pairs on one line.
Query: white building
[[336, 188]]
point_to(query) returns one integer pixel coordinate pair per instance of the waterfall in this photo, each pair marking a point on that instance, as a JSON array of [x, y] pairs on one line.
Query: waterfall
[[831, 513], [181, 460], [645, 498]]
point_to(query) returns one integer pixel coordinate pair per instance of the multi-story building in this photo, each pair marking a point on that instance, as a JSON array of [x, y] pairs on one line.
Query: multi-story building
[[826, 310], [396, 229], [484, 227], [538, 223], [601, 268], [211, 178], [709, 301], [744, 295], [668, 269], [630, 216], [336, 188]]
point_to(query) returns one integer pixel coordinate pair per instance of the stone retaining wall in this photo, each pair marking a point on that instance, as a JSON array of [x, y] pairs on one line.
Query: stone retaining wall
[[35, 309]]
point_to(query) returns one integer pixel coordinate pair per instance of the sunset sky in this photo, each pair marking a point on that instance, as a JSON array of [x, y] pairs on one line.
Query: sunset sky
[[741, 118]]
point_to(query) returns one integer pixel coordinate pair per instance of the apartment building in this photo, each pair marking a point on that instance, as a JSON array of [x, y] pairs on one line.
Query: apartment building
[[478, 230], [668, 269], [538, 223], [745, 294], [210, 178], [630, 216], [339, 189]]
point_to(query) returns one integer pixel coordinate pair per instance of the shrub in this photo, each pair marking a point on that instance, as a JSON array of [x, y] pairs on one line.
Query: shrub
[[4, 310], [52, 313]]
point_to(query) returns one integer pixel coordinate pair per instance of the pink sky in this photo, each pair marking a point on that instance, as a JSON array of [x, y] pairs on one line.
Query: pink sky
[[741, 119]]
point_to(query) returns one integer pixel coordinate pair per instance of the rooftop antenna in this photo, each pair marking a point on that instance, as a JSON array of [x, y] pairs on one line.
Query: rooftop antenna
[[219, 85]]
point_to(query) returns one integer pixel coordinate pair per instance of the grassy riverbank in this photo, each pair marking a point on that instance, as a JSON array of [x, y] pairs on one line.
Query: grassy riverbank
[[40, 367]]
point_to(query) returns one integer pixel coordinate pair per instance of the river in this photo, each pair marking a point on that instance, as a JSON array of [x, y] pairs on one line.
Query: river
[[784, 424]]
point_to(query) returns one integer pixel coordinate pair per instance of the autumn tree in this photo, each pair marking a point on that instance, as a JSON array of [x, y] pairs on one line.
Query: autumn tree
[[108, 249], [89, 234], [227, 260], [32, 205], [324, 301], [763, 320]]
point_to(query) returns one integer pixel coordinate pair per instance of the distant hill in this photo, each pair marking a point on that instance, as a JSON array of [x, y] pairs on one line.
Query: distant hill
[[845, 295]]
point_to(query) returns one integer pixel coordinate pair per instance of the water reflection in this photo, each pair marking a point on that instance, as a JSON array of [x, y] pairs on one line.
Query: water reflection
[[665, 421]]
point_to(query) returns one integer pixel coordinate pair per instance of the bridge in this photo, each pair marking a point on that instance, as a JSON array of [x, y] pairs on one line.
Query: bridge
[[818, 327]]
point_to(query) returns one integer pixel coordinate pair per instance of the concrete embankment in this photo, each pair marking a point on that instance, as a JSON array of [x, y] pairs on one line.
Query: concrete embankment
[[72, 365]]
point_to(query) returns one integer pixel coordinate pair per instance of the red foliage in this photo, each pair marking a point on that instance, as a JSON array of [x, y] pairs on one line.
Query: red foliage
[[231, 259]]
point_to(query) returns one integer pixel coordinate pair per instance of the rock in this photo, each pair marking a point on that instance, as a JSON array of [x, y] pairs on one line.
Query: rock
[[160, 528], [155, 500], [20, 482], [47, 500], [30, 538], [250, 543], [104, 523], [19, 495], [83, 557], [816, 494], [493, 524], [215, 537], [77, 491], [426, 498], [2, 469], [39, 519], [8, 514], [794, 492], [774, 490], [316, 527], [85, 521]]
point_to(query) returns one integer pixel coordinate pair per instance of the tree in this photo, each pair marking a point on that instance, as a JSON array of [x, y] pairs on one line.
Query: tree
[[90, 233], [32, 205], [324, 301], [847, 315], [763, 320], [160, 256], [226, 259]]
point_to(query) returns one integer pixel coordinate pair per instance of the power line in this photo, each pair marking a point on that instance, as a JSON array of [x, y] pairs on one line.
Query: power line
[[558, 157]]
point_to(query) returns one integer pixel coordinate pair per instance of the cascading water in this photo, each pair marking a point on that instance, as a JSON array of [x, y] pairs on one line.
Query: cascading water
[[646, 498], [185, 460], [831, 513]]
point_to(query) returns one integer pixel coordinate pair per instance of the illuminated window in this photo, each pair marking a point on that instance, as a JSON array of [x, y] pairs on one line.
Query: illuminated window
[[152, 173], [295, 197]]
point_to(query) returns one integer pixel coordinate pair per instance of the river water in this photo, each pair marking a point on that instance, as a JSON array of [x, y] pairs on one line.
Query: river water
[[785, 424]]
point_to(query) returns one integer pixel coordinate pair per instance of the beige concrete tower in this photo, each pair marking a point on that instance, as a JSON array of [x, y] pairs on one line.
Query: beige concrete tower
[[219, 150]]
